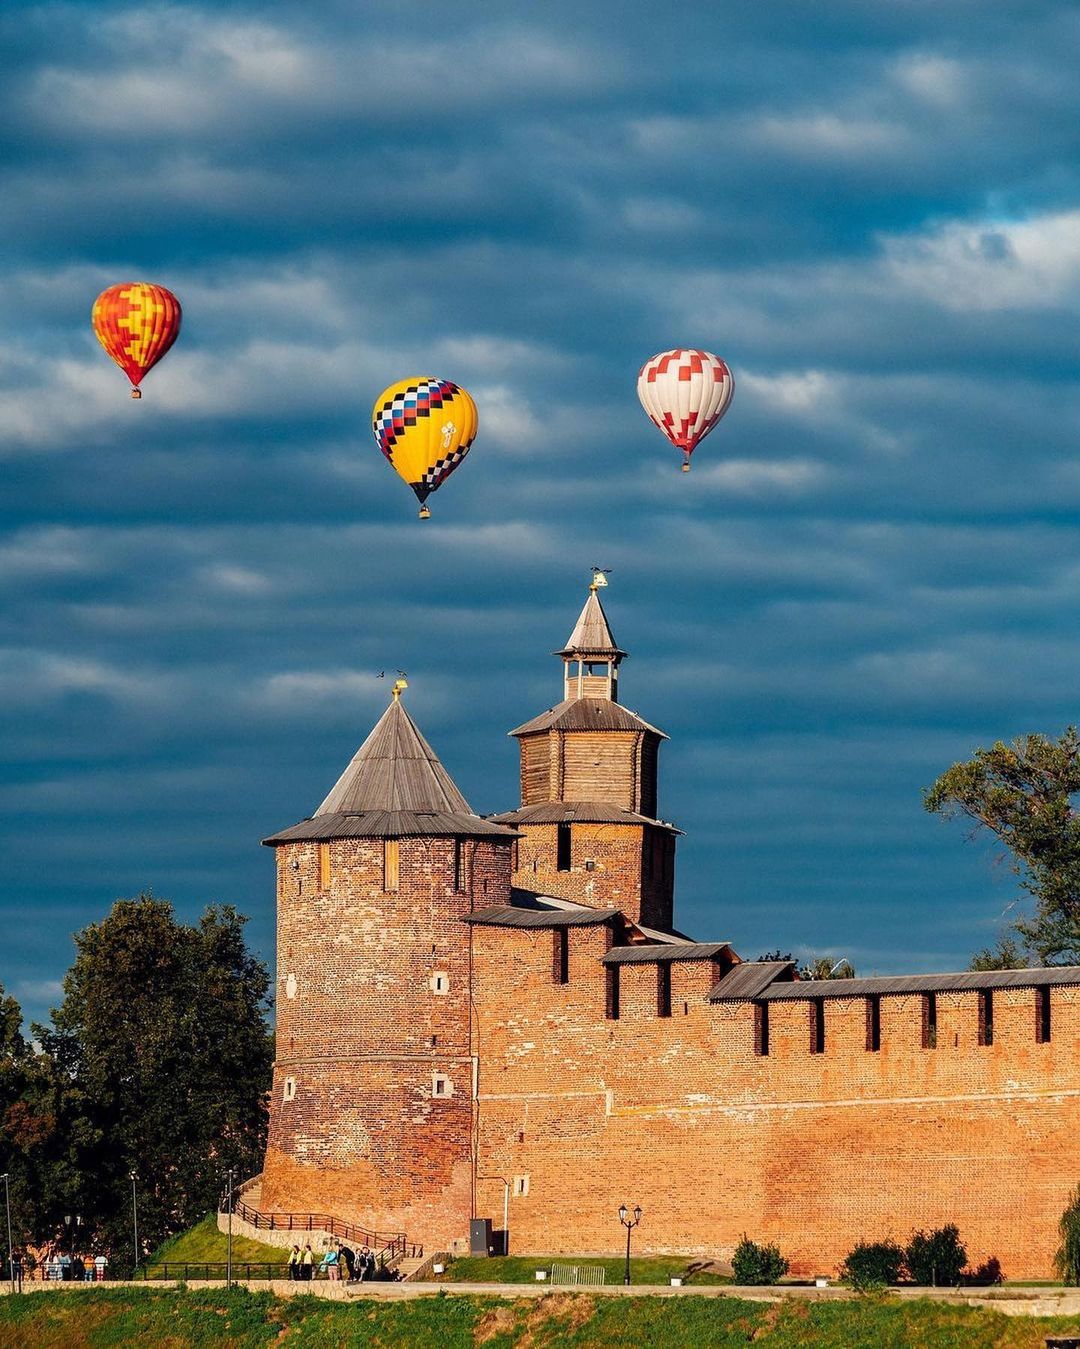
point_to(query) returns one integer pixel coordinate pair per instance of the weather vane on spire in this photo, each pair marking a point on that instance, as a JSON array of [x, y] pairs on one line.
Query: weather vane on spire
[[399, 686], [599, 578]]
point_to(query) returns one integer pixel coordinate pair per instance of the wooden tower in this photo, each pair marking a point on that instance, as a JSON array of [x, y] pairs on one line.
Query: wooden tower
[[587, 819]]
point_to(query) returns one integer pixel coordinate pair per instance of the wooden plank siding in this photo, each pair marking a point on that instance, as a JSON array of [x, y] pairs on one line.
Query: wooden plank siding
[[535, 769], [600, 766]]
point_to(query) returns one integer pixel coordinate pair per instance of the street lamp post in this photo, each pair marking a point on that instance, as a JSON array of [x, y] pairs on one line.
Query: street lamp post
[[7, 1206], [134, 1176], [228, 1266], [629, 1223]]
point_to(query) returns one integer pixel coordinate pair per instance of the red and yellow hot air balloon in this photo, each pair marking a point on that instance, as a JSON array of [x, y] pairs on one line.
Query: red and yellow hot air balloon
[[136, 323], [424, 426], [685, 392]]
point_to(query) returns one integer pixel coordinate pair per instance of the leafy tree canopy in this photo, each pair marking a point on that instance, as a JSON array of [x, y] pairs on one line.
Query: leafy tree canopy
[[1023, 794], [816, 967], [161, 1061]]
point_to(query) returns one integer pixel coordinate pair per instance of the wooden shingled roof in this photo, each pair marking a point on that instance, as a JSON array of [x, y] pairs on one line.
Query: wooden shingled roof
[[394, 769], [577, 812], [592, 634], [394, 786], [587, 714]]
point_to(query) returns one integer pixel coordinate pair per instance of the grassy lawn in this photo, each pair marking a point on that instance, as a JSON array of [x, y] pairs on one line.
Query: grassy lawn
[[522, 1268], [245, 1320], [205, 1242]]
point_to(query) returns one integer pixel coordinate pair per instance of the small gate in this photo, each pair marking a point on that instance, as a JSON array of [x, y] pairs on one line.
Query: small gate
[[581, 1276]]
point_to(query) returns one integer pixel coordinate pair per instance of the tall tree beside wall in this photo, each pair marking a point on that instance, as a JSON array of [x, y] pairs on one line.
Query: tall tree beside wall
[[1023, 793], [163, 1056], [29, 1107]]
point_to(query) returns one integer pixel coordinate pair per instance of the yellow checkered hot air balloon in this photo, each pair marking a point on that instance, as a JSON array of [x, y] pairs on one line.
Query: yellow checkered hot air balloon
[[136, 322], [424, 426]]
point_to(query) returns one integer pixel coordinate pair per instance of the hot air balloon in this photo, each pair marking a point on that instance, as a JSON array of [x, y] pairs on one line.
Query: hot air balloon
[[424, 426], [685, 393], [136, 323]]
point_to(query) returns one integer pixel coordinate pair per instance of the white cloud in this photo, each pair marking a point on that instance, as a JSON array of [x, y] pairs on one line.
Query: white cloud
[[938, 81], [29, 677], [829, 137], [985, 266], [761, 477]]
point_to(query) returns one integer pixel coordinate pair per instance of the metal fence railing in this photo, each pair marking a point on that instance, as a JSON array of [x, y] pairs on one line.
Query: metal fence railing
[[388, 1246], [580, 1276], [187, 1270]]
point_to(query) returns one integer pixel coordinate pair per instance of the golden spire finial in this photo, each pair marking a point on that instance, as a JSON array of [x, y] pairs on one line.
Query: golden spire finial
[[599, 578], [400, 685]]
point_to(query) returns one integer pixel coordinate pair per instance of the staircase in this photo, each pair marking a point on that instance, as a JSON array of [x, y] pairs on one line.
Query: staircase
[[391, 1249]]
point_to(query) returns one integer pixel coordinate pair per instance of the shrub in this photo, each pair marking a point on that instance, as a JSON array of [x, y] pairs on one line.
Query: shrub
[[1067, 1259], [754, 1264], [873, 1264], [936, 1257]]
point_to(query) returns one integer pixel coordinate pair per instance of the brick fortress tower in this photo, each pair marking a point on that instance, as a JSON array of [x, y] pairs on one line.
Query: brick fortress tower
[[496, 1018], [372, 1103], [587, 819]]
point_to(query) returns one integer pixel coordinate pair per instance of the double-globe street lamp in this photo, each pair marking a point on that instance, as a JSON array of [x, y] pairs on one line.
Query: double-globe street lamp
[[629, 1221]]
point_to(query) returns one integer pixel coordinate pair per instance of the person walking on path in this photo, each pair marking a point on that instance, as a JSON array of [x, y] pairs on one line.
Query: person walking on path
[[294, 1263], [330, 1264], [101, 1263], [307, 1261], [348, 1259]]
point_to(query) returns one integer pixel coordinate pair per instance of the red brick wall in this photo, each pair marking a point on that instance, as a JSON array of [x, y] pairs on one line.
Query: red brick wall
[[364, 1137], [615, 882], [813, 1151]]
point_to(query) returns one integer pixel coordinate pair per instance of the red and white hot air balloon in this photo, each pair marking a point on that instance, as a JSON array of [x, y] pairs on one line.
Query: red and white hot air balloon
[[685, 393]]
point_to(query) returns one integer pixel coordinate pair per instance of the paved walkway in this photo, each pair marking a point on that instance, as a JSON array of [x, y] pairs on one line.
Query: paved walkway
[[1050, 1301]]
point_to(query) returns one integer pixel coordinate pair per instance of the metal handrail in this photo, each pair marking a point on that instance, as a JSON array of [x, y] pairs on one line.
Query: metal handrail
[[388, 1246], [186, 1270]]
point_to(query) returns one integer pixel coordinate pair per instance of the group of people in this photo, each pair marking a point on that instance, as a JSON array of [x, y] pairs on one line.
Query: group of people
[[65, 1268], [357, 1266]]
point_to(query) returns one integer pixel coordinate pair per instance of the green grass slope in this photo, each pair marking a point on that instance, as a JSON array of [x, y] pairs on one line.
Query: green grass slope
[[205, 1242], [245, 1320]]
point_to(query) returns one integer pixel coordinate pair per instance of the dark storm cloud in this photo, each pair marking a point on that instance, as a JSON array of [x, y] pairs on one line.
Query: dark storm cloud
[[872, 211]]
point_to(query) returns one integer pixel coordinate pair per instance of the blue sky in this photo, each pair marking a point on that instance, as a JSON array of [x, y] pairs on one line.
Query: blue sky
[[872, 212]]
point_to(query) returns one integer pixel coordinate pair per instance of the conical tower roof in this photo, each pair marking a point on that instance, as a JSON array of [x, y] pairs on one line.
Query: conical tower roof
[[592, 634], [393, 787], [394, 769]]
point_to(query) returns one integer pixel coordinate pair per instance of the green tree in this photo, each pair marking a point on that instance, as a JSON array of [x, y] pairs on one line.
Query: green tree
[[872, 1265], [1067, 1259], [936, 1258], [816, 967], [1008, 954], [1023, 794], [754, 1264], [28, 1129], [162, 1052]]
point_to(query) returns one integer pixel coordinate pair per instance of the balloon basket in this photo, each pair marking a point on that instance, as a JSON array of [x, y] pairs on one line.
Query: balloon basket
[[686, 467], [425, 514], [136, 393]]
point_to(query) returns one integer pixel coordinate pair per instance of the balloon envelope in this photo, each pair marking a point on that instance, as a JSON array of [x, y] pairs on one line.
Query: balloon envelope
[[424, 427], [685, 392], [136, 323]]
